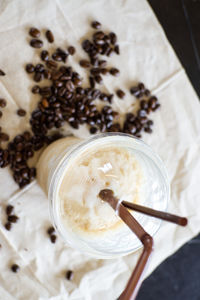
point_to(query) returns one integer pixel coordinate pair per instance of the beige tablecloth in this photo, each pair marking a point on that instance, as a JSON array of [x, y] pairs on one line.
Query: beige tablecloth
[[146, 55]]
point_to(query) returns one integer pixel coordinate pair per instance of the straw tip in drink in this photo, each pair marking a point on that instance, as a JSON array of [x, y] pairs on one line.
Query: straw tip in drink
[[183, 221], [106, 194]]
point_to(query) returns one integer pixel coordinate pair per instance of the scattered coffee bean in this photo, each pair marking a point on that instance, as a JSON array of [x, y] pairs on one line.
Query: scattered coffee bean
[[116, 49], [1, 114], [2, 73], [36, 43], [120, 94], [71, 50], [96, 25], [98, 79], [2, 103], [9, 209], [49, 36], [84, 63], [93, 130], [8, 226], [15, 268], [50, 230], [4, 137], [35, 89], [13, 219], [44, 55], [21, 112], [69, 275], [30, 68], [114, 71], [51, 64], [53, 238], [34, 32]]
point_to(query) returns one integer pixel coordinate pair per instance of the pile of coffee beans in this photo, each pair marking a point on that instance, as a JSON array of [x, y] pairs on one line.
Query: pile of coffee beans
[[66, 99], [11, 218]]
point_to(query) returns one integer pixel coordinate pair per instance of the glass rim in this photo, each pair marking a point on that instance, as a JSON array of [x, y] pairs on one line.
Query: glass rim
[[58, 175]]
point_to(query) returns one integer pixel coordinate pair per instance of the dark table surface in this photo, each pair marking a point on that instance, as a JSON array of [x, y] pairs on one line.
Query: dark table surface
[[178, 277]]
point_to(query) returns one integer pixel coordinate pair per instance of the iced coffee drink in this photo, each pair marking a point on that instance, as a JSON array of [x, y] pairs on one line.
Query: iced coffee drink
[[72, 172]]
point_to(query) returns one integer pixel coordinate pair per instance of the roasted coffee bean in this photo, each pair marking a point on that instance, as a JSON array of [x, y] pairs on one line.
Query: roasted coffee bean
[[36, 43], [34, 32], [120, 94], [114, 71], [35, 89], [113, 38], [15, 268], [144, 104], [98, 79], [70, 86], [135, 91], [37, 77], [50, 230], [49, 36], [157, 106], [95, 71], [99, 35], [84, 63], [45, 103], [147, 92], [44, 55], [1, 114], [94, 62], [9, 209], [96, 25], [141, 113], [13, 219], [92, 82], [104, 71], [30, 68], [69, 275], [2, 73], [116, 49], [53, 238], [21, 112], [2, 103], [93, 130], [57, 57], [71, 50], [149, 122], [109, 52], [4, 137], [86, 45], [141, 86], [8, 226], [39, 68], [148, 130], [51, 64]]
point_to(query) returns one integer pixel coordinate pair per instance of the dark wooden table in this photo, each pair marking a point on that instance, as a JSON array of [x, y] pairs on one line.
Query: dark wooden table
[[178, 278]]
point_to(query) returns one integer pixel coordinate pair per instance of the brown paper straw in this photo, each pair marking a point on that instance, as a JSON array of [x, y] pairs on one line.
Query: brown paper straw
[[131, 288], [156, 213]]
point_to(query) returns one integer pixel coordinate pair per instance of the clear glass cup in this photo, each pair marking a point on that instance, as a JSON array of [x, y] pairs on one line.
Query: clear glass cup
[[53, 165]]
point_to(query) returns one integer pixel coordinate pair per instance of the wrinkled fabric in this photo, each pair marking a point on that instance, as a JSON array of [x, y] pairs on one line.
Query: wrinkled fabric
[[146, 56]]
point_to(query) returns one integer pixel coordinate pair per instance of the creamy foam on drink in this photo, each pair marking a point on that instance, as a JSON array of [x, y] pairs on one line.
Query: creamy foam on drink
[[99, 167]]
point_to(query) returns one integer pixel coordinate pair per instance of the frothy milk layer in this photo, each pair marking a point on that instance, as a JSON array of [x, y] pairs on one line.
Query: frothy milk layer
[[107, 167]]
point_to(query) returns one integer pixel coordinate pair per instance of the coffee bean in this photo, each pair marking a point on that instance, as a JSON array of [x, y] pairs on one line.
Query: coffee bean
[[96, 25], [149, 122], [86, 45], [4, 137], [113, 38], [15, 268], [148, 130], [135, 91], [35, 89], [141, 86], [51, 64], [49, 36], [2, 102], [57, 57], [98, 79], [36, 43], [71, 50], [104, 71], [45, 103], [99, 35], [2, 73], [102, 63], [93, 130], [47, 74], [9, 209], [8, 226], [53, 238], [13, 219], [147, 92], [141, 113], [1, 114], [157, 106], [34, 32], [116, 49], [37, 77], [84, 63], [114, 71], [44, 55], [120, 94], [30, 68], [92, 82], [69, 275], [50, 230], [39, 68], [21, 112]]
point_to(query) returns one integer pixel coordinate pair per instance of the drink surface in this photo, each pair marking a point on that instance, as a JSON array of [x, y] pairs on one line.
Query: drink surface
[[106, 166]]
